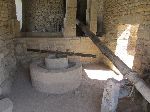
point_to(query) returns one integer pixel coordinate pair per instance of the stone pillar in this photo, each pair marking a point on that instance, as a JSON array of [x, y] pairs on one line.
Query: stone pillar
[[14, 26], [70, 18], [92, 9], [100, 19], [110, 96]]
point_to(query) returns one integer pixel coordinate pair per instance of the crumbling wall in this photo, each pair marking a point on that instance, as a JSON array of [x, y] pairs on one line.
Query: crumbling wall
[[43, 15], [7, 58], [118, 14]]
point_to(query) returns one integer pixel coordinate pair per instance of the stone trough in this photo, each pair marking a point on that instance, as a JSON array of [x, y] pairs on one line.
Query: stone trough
[[55, 75]]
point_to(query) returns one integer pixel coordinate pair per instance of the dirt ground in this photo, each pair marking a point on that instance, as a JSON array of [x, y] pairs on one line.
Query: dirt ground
[[87, 98]]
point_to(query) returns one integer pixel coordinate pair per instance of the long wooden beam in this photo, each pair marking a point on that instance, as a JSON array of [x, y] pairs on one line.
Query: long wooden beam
[[65, 53], [128, 73]]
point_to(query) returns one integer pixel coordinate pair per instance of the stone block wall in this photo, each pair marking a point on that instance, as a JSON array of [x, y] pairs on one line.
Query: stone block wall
[[7, 58], [142, 57], [43, 15], [121, 13], [77, 45]]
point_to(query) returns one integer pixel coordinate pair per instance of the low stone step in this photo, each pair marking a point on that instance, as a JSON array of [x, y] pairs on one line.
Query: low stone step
[[6, 105]]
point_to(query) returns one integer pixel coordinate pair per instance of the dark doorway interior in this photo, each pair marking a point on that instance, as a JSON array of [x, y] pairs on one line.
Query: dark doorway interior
[[81, 14]]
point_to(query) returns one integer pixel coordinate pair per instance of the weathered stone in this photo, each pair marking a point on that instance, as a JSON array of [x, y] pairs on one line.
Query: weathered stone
[[81, 45], [110, 96], [56, 63], [92, 14], [43, 16], [118, 14], [5, 87], [56, 81], [7, 58], [71, 3], [6, 105], [70, 19]]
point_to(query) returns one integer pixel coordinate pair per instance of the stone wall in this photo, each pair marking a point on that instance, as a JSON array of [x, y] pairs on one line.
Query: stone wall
[[77, 45], [127, 18], [43, 15], [142, 57], [7, 58]]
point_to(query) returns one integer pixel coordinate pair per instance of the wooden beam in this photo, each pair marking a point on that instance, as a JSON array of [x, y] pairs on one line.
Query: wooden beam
[[64, 53], [118, 63]]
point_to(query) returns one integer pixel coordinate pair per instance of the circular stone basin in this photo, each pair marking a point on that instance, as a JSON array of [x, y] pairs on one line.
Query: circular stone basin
[[55, 81], [51, 62]]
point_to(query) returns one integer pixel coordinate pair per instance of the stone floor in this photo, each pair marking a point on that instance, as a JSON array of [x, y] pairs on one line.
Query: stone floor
[[87, 98]]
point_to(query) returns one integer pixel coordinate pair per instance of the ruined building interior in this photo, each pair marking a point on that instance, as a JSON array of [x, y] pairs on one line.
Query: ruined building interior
[[74, 55]]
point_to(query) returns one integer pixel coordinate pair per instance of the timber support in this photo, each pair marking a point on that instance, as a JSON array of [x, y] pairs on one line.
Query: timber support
[[128, 73]]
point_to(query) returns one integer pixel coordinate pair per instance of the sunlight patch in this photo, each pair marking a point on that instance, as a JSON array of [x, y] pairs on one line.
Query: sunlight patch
[[102, 74]]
